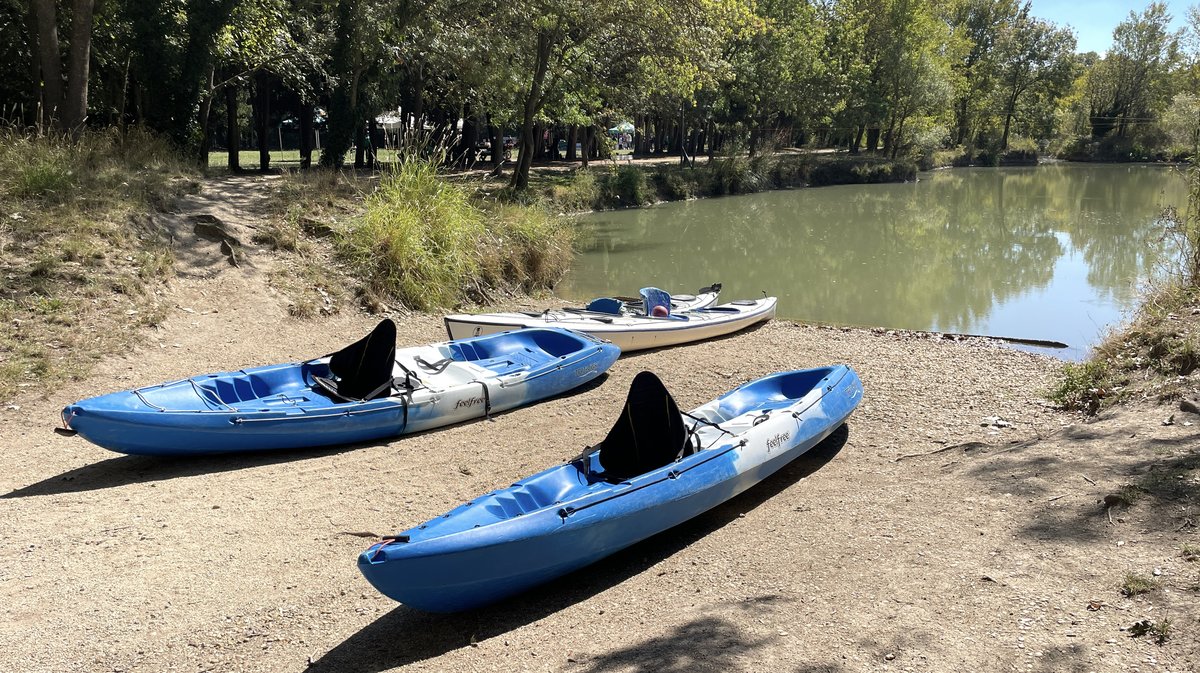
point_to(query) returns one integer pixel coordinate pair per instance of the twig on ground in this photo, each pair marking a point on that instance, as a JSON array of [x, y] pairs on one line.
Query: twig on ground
[[1058, 497], [1085, 478], [966, 446]]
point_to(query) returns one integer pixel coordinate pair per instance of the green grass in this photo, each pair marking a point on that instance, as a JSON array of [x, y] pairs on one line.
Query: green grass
[[1136, 584], [248, 159]]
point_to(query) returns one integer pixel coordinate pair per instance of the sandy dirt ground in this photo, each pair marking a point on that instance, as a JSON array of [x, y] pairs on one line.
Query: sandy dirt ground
[[957, 524]]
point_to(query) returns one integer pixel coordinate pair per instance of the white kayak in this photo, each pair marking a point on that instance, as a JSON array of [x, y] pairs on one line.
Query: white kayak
[[629, 332]]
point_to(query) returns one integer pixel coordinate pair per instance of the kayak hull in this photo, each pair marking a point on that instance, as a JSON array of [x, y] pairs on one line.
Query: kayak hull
[[561, 520]]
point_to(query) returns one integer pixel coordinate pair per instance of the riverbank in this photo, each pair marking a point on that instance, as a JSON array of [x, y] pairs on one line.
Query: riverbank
[[961, 522]]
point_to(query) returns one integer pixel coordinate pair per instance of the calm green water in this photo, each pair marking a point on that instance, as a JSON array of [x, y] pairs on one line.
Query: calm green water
[[1049, 252]]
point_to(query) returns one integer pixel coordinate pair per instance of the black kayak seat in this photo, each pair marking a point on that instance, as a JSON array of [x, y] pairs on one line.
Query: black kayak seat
[[649, 433], [364, 368]]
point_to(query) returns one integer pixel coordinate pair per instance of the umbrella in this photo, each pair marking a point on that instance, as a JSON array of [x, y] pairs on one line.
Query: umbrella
[[623, 127]]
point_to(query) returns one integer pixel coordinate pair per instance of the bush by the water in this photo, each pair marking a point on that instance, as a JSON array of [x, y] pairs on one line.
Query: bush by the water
[[430, 243], [625, 187]]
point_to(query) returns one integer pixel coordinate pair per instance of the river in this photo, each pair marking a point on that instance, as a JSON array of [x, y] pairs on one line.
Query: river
[[1053, 252]]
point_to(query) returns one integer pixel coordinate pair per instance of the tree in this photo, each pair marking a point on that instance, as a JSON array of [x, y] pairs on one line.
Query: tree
[[66, 107], [1132, 83], [1031, 54], [975, 28]]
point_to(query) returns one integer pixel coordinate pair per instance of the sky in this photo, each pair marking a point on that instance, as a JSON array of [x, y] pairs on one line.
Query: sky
[[1094, 20]]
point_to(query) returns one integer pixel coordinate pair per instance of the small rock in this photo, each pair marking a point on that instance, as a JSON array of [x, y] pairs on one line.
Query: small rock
[[889, 656], [1169, 420], [1157, 572], [1189, 406]]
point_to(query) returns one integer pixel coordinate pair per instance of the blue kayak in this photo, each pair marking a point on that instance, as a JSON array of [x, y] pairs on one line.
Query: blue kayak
[[368, 390], [656, 468]]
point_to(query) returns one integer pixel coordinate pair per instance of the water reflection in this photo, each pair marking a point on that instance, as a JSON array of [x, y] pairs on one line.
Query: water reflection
[[1050, 252]]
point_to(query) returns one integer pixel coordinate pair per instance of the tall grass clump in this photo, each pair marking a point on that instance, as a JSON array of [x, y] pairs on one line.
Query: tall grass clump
[[429, 242], [626, 187], [418, 239], [529, 248]]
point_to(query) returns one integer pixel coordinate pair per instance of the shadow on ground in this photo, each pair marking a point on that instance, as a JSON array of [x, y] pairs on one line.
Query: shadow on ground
[[405, 636], [1079, 478], [124, 470]]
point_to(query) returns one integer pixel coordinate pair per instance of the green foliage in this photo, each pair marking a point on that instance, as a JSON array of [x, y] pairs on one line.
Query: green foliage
[[581, 192], [736, 173], [673, 185], [531, 248], [418, 239], [1086, 386], [626, 186]]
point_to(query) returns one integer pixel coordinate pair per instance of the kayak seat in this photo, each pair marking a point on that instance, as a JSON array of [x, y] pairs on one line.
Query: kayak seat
[[363, 370], [648, 434], [606, 305], [656, 302]]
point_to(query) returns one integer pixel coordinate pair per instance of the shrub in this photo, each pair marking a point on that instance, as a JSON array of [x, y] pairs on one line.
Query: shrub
[[625, 186], [580, 193], [428, 243], [1085, 386], [530, 248], [418, 239], [735, 174], [672, 185]]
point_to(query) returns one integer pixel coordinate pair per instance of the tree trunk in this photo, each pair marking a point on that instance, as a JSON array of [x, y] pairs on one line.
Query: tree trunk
[[589, 135], [75, 101], [466, 141], [205, 113], [262, 112], [372, 153], [343, 113], [233, 136], [963, 128], [872, 139], [856, 142], [34, 116], [572, 138], [49, 59], [497, 147], [360, 146], [306, 130], [533, 102]]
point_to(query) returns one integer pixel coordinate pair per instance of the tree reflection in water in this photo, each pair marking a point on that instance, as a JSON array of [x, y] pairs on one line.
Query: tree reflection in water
[[1050, 252]]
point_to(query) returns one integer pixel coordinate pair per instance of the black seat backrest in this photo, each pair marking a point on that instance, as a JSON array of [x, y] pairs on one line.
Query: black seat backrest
[[649, 434], [365, 366]]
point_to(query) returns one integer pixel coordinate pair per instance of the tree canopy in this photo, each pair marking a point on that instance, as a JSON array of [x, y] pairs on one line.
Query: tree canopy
[[888, 76]]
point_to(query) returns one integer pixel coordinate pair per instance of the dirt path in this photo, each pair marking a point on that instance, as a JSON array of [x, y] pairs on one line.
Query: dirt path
[[922, 539]]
